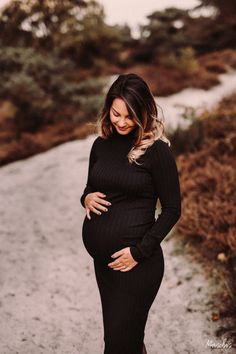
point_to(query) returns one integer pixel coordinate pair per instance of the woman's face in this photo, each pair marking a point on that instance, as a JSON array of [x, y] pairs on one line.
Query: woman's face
[[120, 117]]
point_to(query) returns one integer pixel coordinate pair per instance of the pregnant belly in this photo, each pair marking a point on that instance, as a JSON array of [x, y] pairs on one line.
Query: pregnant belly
[[113, 230]]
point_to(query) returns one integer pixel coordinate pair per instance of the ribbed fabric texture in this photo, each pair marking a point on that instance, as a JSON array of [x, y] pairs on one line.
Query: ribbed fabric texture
[[126, 298], [133, 190]]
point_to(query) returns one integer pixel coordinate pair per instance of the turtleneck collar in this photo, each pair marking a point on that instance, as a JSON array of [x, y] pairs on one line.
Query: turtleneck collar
[[128, 137]]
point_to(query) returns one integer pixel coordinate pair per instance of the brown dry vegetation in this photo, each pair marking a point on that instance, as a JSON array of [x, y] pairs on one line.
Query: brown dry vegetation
[[208, 178], [30, 144], [164, 80]]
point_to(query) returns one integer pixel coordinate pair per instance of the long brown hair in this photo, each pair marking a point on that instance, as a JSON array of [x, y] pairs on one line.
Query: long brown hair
[[141, 105]]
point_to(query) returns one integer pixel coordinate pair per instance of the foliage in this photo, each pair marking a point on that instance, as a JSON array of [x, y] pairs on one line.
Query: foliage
[[208, 173], [168, 32], [216, 31], [75, 28], [223, 7], [164, 33], [185, 61], [40, 88]]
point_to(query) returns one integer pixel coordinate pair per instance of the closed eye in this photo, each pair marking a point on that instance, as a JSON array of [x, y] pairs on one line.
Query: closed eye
[[116, 114]]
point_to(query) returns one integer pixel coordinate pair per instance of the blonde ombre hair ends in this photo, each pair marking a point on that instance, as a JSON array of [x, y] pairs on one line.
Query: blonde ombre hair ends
[[141, 105]]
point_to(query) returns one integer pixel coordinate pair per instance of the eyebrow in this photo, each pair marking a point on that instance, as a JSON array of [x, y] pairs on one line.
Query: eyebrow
[[128, 115]]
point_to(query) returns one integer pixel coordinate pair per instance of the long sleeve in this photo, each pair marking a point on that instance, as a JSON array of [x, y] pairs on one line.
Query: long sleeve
[[166, 182], [92, 159]]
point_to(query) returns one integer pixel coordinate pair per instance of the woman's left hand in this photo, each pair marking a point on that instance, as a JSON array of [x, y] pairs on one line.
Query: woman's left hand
[[124, 262]]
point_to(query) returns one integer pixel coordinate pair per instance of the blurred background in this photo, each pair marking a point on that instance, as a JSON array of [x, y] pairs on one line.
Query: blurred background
[[57, 58]]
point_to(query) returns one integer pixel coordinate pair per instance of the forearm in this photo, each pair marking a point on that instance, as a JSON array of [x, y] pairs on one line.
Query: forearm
[[160, 229]]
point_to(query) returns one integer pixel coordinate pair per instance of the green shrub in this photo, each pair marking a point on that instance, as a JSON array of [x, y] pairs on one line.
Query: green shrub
[[44, 88]]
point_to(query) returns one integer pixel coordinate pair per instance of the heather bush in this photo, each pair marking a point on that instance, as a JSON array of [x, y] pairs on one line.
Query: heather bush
[[208, 177]]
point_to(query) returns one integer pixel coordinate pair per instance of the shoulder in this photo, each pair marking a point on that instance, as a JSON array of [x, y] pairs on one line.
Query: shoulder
[[160, 152], [97, 141], [160, 147]]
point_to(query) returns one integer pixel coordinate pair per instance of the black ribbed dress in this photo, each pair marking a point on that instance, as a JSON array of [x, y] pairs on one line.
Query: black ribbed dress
[[133, 190]]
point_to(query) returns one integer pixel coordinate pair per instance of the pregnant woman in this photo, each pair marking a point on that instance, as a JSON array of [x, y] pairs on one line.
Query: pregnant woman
[[131, 167]]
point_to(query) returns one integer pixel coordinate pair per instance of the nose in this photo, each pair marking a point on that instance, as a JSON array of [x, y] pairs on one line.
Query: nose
[[122, 123]]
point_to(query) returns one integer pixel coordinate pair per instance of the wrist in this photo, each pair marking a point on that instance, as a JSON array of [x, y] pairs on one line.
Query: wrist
[[136, 254]]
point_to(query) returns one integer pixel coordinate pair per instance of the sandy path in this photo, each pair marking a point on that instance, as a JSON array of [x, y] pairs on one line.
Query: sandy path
[[49, 301], [198, 99]]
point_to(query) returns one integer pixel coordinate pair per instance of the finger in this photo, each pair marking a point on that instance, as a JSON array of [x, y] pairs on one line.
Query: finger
[[88, 213], [94, 210], [103, 201], [100, 194], [119, 268], [115, 263], [117, 254], [99, 207], [126, 269], [96, 207]]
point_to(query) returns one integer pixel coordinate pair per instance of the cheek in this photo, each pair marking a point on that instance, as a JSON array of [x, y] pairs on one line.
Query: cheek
[[113, 118], [131, 123]]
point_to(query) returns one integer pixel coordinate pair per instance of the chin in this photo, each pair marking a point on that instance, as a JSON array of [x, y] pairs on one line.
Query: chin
[[124, 132], [127, 131]]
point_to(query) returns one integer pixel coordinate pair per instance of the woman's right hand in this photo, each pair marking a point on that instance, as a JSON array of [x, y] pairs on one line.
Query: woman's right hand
[[94, 202]]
